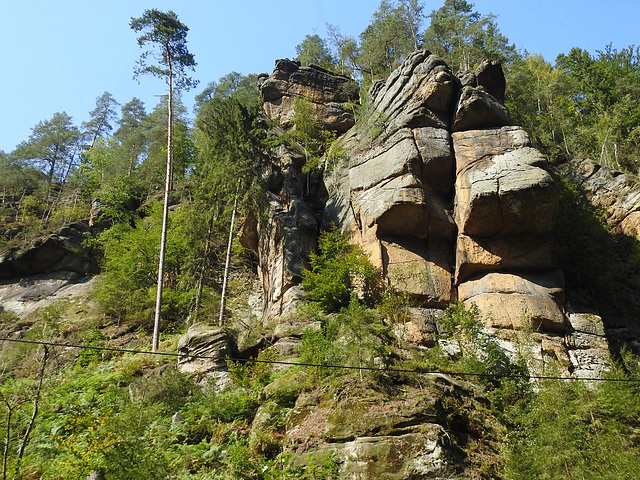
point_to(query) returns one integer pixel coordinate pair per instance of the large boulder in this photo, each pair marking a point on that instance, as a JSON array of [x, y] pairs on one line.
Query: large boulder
[[204, 352], [502, 186], [406, 435], [521, 302]]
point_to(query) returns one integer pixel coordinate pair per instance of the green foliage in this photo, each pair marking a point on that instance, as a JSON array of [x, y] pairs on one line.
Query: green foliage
[[394, 305], [230, 152], [357, 337], [506, 378], [339, 272], [583, 106], [99, 124], [461, 323], [243, 88], [370, 122], [52, 146], [463, 37], [127, 287], [573, 430], [600, 268], [307, 133], [313, 50], [388, 39], [286, 467], [253, 373], [88, 355]]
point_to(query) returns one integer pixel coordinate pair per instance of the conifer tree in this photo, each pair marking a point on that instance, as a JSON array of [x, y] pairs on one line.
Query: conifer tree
[[166, 35]]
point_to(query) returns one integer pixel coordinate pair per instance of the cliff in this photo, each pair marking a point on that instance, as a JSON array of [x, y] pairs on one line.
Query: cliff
[[447, 197]]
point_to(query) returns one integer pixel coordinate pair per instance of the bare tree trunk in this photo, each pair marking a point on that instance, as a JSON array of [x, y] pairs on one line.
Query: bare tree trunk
[[7, 439], [207, 247], [36, 401], [165, 213], [225, 280]]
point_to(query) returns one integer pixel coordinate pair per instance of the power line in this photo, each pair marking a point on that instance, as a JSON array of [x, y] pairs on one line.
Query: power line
[[321, 365]]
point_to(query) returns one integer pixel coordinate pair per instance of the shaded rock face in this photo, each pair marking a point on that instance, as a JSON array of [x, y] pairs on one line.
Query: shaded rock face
[[616, 193], [62, 251], [449, 199]]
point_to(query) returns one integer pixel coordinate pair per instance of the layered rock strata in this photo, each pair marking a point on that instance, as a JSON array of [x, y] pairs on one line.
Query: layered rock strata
[[614, 192], [447, 197]]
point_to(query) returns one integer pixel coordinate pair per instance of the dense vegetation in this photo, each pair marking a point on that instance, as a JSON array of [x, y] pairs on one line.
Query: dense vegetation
[[66, 413]]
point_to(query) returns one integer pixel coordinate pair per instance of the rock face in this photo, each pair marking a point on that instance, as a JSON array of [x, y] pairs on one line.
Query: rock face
[[614, 192], [328, 93], [59, 252], [52, 268], [449, 200]]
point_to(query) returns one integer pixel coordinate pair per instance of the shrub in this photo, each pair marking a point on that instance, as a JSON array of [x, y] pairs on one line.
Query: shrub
[[356, 338], [339, 271]]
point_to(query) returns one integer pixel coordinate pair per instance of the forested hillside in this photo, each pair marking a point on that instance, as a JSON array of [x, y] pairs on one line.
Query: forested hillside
[[147, 233]]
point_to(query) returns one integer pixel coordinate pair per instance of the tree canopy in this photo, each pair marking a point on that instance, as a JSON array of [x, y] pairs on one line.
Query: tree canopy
[[168, 57]]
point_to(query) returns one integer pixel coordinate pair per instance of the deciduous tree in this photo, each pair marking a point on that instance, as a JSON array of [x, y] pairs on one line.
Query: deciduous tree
[[387, 39], [314, 50], [464, 37]]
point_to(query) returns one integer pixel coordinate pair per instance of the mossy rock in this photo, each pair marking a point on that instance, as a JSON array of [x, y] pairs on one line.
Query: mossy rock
[[355, 417], [285, 390]]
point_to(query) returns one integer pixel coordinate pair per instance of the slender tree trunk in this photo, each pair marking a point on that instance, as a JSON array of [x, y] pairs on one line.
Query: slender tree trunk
[[165, 213], [7, 439], [36, 402], [207, 247], [225, 280]]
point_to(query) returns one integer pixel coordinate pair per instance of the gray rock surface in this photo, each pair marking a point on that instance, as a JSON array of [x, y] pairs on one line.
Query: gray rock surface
[[204, 352]]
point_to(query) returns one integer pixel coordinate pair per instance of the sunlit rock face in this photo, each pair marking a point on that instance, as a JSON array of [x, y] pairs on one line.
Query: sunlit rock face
[[447, 197], [330, 94]]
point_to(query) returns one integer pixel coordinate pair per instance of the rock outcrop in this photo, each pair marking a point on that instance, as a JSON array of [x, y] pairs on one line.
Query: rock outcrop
[[329, 94], [448, 198], [614, 192], [401, 436], [451, 202], [62, 251], [203, 352]]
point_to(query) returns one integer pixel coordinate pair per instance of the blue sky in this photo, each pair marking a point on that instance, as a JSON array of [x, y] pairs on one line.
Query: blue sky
[[60, 55]]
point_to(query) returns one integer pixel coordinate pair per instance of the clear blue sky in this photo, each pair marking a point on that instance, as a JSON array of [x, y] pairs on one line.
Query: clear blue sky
[[60, 55]]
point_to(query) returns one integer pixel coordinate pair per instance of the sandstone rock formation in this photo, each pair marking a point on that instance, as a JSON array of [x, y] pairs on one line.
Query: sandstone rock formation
[[52, 268], [448, 198], [328, 93], [203, 353], [403, 436], [616, 193]]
